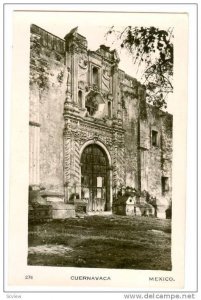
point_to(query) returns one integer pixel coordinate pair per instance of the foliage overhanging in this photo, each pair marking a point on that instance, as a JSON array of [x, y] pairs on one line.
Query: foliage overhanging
[[151, 49]]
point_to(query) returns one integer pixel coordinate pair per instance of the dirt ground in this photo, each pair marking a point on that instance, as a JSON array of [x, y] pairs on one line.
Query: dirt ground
[[102, 242]]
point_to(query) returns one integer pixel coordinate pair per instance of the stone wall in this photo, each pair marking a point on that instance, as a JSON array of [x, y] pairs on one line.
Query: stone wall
[[60, 83], [47, 96], [130, 117], [167, 148], [156, 159], [130, 124]]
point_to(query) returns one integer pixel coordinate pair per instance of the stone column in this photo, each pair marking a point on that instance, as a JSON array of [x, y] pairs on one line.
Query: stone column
[[34, 136], [73, 65], [67, 165], [115, 90], [110, 194], [34, 150], [31, 181], [77, 170]]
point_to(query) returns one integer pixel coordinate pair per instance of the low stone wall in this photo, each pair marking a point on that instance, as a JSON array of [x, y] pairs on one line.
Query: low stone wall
[[62, 210], [45, 206]]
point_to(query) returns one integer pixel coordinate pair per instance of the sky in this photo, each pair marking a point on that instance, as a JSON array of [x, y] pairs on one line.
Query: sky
[[95, 37]]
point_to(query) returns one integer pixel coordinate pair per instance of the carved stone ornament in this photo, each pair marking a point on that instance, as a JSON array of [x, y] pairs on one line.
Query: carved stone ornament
[[106, 79], [83, 61], [83, 67], [81, 85], [77, 134], [95, 138]]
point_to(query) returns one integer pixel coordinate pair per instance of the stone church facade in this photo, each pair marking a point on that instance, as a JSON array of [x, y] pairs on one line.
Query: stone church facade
[[92, 133]]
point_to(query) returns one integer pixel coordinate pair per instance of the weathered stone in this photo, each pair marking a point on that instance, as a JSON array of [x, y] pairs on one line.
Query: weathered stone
[[61, 210], [79, 98], [162, 205]]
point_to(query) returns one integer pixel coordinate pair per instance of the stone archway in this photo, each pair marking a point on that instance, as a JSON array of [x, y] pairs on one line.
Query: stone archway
[[96, 177]]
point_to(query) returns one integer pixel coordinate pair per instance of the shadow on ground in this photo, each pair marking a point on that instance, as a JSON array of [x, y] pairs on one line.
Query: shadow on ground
[[102, 242]]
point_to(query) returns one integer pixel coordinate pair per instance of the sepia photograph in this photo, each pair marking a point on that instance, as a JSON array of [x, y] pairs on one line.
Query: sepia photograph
[[100, 148], [98, 133]]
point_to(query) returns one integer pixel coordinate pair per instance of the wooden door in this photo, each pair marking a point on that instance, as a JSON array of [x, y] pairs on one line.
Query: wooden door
[[94, 177]]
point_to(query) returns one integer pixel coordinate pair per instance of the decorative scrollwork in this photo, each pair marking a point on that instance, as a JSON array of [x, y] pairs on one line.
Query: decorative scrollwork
[[81, 132]]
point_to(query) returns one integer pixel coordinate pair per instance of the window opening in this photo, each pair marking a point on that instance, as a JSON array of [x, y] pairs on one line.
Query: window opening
[[165, 185], [80, 98], [154, 136], [109, 109]]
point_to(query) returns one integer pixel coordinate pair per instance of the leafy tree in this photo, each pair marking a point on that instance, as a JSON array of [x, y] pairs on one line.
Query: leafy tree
[[152, 50]]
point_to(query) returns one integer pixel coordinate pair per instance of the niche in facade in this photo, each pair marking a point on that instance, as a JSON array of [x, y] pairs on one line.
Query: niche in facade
[[80, 98], [109, 108], [95, 76], [154, 138]]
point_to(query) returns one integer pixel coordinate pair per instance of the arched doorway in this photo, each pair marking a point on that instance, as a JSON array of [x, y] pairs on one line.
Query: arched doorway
[[95, 181]]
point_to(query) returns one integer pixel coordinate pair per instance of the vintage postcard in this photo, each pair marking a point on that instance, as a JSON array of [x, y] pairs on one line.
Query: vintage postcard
[[98, 150]]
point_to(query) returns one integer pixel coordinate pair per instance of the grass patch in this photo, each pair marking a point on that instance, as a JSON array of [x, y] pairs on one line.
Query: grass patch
[[105, 242]]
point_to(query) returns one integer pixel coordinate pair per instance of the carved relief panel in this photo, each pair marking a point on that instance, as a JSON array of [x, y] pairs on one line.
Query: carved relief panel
[[106, 79], [76, 134], [82, 67]]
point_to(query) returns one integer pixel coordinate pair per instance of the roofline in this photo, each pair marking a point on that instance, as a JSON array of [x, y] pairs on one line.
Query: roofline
[[48, 32]]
